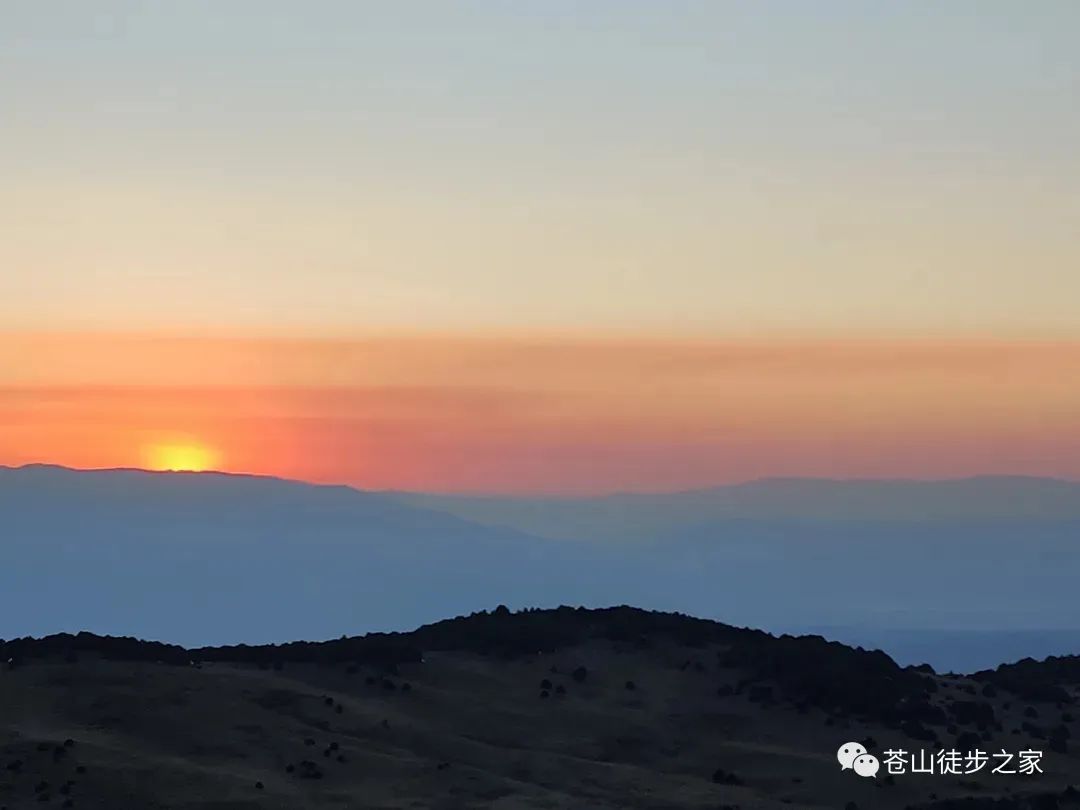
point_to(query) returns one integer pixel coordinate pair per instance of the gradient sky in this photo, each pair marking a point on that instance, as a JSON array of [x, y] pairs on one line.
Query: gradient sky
[[553, 246]]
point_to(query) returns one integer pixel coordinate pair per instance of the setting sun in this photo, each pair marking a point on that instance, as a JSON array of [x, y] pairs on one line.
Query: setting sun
[[181, 457]]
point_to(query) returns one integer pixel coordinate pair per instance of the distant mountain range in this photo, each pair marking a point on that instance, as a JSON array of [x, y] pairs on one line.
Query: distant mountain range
[[210, 558], [623, 517]]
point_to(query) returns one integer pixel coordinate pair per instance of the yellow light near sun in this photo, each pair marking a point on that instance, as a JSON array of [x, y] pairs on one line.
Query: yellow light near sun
[[181, 457]]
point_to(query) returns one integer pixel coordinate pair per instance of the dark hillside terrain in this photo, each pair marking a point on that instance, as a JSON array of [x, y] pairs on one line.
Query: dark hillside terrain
[[542, 708]]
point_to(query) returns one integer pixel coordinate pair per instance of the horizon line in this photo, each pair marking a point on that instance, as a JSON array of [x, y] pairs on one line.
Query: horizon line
[[544, 495]]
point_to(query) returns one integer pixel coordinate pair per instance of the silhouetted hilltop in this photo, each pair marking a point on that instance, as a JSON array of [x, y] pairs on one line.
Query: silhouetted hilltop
[[803, 670], [800, 671], [509, 633], [499, 632], [70, 647]]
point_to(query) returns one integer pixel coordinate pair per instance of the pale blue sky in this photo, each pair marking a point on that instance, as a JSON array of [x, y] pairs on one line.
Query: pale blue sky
[[718, 167]]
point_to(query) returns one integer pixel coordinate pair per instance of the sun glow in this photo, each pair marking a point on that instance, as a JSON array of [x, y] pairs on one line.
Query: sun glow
[[182, 457]]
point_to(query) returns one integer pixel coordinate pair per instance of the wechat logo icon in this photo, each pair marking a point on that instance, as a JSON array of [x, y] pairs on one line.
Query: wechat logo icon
[[853, 756]]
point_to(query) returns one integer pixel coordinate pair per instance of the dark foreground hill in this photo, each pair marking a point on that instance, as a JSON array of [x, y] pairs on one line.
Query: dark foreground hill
[[613, 708]]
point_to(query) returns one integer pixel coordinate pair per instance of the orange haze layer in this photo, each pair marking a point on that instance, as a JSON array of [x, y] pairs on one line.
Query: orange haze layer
[[457, 413]]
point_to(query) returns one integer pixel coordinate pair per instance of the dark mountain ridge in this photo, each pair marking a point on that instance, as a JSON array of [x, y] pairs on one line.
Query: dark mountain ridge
[[805, 669]]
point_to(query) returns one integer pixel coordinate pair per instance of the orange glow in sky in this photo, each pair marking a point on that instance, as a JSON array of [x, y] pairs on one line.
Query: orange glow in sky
[[571, 415]]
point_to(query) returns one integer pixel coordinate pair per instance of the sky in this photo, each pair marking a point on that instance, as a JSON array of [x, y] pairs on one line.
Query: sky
[[559, 247]]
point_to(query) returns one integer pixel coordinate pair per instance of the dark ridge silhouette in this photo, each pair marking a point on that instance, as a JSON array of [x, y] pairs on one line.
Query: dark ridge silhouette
[[499, 633], [832, 676], [1036, 680], [70, 647], [801, 671], [506, 634]]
